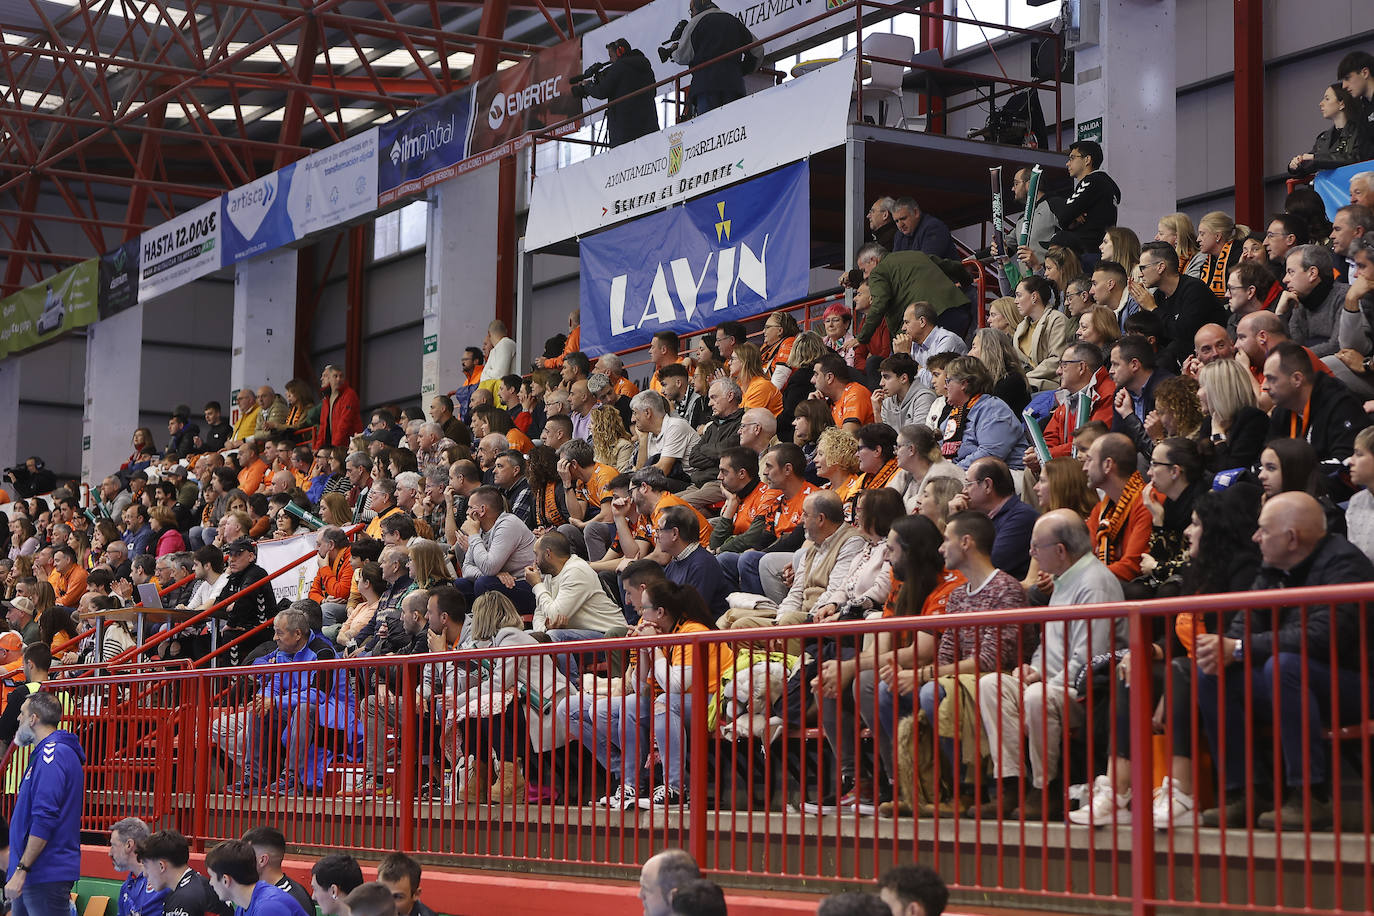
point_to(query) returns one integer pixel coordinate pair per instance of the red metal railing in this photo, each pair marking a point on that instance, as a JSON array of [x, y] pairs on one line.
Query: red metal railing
[[760, 807]]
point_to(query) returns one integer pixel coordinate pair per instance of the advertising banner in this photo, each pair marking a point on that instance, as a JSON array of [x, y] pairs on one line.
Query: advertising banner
[[729, 255], [423, 147], [294, 584], [531, 95], [722, 147], [1334, 185], [119, 279], [254, 216], [45, 310], [650, 25], [333, 186], [182, 249]]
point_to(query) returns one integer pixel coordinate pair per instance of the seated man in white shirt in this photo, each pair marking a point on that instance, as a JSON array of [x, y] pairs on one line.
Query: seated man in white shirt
[[570, 603], [923, 338], [664, 440]]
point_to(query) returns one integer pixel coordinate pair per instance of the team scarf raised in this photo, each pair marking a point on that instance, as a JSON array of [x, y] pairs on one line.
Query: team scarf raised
[[1110, 524]]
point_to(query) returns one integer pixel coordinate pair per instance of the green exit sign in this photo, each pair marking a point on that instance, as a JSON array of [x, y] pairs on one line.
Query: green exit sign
[[432, 343]]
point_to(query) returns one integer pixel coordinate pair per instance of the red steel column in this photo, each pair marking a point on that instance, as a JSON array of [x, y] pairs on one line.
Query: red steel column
[[23, 235], [357, 307], [149, 149], [1249, 89], [307, 50], [933, 38]]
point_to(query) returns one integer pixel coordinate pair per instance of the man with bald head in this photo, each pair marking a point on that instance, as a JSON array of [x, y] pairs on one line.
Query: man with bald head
[[283, 482], [1038, 700], [758, 429], [1297, 552], [581, 402], [492, 445], [1211, 342]]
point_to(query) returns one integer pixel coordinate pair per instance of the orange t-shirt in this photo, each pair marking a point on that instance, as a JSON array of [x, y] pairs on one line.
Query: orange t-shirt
[[759, 502], [788, 512], [626, 388], [762, 393], [656, 385], [598, 489], [855, 403], [250, 478], [519, 441], [937, 601], [668, 499]]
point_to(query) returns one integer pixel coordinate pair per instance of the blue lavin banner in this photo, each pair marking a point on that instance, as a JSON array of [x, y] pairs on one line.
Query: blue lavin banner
[[723, 256], [255, 217], [423, 147], [1334, 185]]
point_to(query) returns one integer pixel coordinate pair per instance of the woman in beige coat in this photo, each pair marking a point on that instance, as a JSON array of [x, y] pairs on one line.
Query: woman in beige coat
[[1042, 335]]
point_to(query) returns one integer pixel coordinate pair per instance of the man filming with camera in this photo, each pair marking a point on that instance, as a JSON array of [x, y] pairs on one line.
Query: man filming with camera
[[709, 33], [627, 71]]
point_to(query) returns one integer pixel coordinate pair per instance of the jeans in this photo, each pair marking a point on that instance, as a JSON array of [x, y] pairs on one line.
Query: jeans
[[929, 698], [891, 708], [334, 612], [568, 663], [48, 898], [838, 719], [617, 731], [742, 570], [1295, 708], [252, 739]]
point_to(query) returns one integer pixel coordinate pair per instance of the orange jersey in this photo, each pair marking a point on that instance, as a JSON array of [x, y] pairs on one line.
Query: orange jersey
[[855, 404], [760, 501], [626, 388], [762, 393], [519, 441], [787, 513], [668, 499], [598, 489]]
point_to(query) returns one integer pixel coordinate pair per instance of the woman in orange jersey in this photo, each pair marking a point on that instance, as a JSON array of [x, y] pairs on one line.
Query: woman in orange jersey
[[746, 368], [779, 332]]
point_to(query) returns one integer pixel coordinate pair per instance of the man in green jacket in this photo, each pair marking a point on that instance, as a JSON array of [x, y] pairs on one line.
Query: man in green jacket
[[898, 278]]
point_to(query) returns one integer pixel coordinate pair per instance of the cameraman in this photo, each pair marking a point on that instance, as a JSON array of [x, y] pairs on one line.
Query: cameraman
[[33, 479], [710, 33], [628, 70]]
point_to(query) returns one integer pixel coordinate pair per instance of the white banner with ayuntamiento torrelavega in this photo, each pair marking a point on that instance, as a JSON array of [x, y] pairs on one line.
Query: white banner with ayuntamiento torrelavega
[[759, 132]]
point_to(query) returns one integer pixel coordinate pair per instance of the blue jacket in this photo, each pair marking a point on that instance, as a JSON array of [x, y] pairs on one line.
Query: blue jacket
[[701, 570], [136, 898], [139, 541], [1011, 544], [49, 806], [992, 429], [270, 900], [331, 691]]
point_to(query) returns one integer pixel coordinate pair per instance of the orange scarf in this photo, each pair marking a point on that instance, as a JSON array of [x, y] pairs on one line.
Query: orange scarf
[[1110, 524]]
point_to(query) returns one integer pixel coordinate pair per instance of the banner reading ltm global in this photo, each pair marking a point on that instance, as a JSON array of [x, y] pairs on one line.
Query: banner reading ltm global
[[45, 310]]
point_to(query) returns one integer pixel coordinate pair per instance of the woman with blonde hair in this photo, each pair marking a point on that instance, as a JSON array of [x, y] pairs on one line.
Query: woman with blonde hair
[[837, 461], [611, 443], [1219, 242], [806, 349], [920, 461], [334, 510], [1234, 424], [1121, 245], [995, 350], [935, 497], [428, 564], [1177, 230], [1062, 484], [1002, 314], [1098, 326], [746, 368]]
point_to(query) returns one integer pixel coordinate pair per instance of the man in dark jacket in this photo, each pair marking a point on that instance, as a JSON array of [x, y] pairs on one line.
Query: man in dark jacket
[[182, 432], [721, 433], [628, 70], [711, 32], [1313, 406], [1184, 303], [249, 610], [897, 279], [1297, 640], [1090, 210]]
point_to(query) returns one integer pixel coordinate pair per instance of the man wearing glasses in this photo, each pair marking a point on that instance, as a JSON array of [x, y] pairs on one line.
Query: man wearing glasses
[[881, 227], [1091, 209], [1081, 366], [1185, 303]]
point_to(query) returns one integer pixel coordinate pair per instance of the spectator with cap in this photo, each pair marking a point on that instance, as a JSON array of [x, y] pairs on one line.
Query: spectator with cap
[[248, 611], [21, 614]]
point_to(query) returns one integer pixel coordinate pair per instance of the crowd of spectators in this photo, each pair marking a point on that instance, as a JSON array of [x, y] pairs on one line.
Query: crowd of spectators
[[1130, 410]]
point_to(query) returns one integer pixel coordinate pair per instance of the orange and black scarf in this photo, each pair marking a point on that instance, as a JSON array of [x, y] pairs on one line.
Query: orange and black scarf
[[546, 511], [1215, 269], [1110, 524], [868, 482]]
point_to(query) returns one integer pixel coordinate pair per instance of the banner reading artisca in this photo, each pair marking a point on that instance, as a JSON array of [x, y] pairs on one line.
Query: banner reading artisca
[[728, 255]]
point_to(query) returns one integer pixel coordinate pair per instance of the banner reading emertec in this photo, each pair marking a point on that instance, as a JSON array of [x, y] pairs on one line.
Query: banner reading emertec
[[423, 147], [722, 147], [730, 255], [525, 97], [43, 311]]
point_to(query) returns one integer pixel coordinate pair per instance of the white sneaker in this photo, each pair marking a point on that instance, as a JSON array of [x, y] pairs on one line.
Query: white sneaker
[[1172, 805], [1105, 807], [622, 799]]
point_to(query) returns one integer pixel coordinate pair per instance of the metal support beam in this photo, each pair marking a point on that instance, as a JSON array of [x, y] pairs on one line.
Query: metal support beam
[[854, 206], [23, 236], [1248, 32], [933, 39], [493, 26], [505, 241], [357, 307], [149, 150], [307, 300], [307, 49]]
